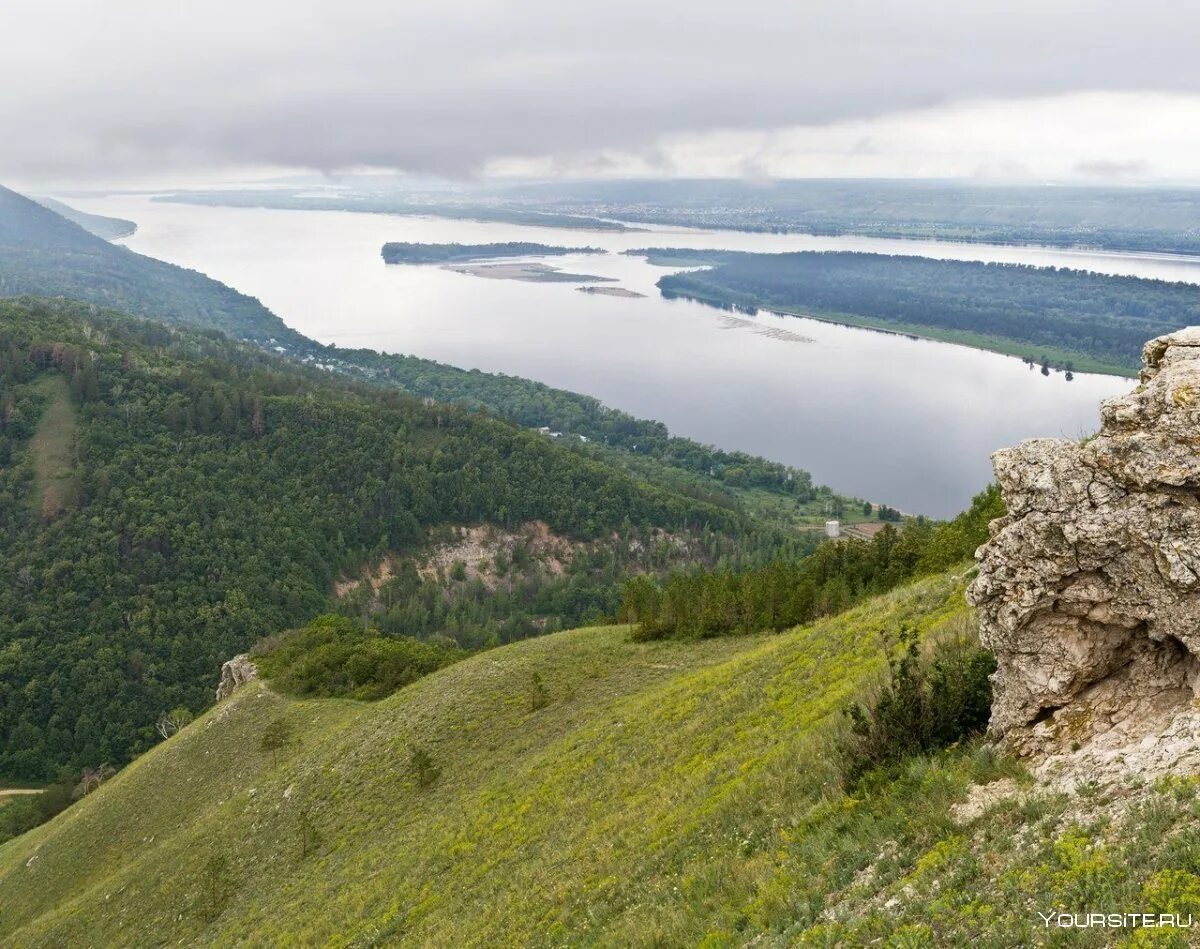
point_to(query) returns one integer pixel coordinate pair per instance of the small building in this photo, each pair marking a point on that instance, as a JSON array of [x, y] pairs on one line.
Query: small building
[[833, 529]]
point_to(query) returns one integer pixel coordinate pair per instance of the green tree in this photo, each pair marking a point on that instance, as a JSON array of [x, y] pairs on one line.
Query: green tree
[[425, 771], [276, 736]]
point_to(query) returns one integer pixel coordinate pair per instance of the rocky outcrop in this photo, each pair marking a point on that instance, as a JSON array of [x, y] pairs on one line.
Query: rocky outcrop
[[1089, 589], [234, 674]]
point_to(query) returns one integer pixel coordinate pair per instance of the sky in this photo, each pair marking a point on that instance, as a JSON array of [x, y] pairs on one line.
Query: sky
[[130, 90]]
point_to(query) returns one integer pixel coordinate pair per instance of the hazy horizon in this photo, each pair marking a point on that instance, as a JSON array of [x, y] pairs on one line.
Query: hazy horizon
[[476, 90]]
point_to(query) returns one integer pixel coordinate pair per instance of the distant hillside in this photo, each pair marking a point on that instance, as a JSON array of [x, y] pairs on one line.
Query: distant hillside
[[1156, 219], [44, 254], [108, 228], [166, 498]]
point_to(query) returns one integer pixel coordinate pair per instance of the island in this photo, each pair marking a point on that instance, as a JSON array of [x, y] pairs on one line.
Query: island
[[397, 252], [529, 271], [1060, 319], [613, 292]]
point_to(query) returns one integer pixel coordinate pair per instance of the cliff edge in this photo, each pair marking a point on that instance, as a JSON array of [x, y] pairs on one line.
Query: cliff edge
[[1089, 589]]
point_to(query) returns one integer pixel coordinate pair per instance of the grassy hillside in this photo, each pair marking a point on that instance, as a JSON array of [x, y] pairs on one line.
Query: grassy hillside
[[645, 794], [663, 793]]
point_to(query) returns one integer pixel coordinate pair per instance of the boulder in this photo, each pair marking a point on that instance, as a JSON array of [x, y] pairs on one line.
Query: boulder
[[234, 674]]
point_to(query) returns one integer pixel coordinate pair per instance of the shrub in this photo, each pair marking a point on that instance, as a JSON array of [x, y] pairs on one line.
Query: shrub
[[276, 736], [22, 813], [539, 695], [334, 657], [924, 706], [425, 772]]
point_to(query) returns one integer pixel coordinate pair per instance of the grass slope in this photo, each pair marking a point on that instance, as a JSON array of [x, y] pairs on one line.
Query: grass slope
[[50, 449], [668, 794]]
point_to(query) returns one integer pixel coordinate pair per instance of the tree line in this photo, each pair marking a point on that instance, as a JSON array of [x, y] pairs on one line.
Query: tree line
[[695, 604], [1097, 315]]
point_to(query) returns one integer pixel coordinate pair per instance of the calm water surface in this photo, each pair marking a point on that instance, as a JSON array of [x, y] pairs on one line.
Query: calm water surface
[[902, 421]]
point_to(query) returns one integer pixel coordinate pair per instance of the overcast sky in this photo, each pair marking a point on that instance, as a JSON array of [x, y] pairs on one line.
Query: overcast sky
[[108, 90]]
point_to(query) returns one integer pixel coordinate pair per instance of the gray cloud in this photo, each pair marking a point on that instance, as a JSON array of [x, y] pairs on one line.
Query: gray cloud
[[132, 86]]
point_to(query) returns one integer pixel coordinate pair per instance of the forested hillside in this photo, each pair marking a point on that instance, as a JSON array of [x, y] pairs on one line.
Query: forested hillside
[[1069, 318], [108, 228], [43, 253], [170, 497]]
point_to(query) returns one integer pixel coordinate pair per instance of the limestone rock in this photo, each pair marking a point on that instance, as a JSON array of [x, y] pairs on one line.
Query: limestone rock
[[1089, 589], [235, 673]]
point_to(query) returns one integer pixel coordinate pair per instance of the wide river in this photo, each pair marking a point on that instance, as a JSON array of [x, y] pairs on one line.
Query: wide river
[[897, 420]]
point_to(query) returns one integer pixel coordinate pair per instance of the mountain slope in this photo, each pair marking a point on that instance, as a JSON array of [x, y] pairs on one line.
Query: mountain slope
[[657, 794], [107, 228], [43, 253], [168, 498], [665, 792]]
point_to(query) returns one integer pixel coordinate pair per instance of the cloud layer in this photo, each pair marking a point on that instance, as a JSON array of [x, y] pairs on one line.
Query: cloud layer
[[134, 87]]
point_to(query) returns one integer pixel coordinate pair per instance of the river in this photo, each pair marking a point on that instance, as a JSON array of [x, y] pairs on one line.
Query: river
[[898, 420]]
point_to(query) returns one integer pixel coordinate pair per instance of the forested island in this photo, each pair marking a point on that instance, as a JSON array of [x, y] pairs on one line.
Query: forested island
[[400, 252], [1069, 319]]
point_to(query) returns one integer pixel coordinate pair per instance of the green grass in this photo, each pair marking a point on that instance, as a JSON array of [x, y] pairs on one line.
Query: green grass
[[51, 448], [650, 794]]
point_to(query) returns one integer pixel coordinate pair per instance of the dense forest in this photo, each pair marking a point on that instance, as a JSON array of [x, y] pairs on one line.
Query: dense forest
[[1098, 318], [536, 405], [204, 493], [398, 252], [695, 604]]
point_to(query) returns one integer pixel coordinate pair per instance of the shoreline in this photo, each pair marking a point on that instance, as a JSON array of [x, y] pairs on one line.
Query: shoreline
[[1081, 362]]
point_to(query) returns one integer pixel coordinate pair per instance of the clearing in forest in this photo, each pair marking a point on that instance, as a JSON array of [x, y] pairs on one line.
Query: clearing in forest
[[50, 449]]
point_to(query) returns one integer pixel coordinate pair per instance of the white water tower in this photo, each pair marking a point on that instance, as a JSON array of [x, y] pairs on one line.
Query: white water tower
[[833, 529]]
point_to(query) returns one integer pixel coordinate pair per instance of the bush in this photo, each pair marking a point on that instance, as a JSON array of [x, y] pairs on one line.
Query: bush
[[25, 812], [425, 772], [925, 705], [334, 657]]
